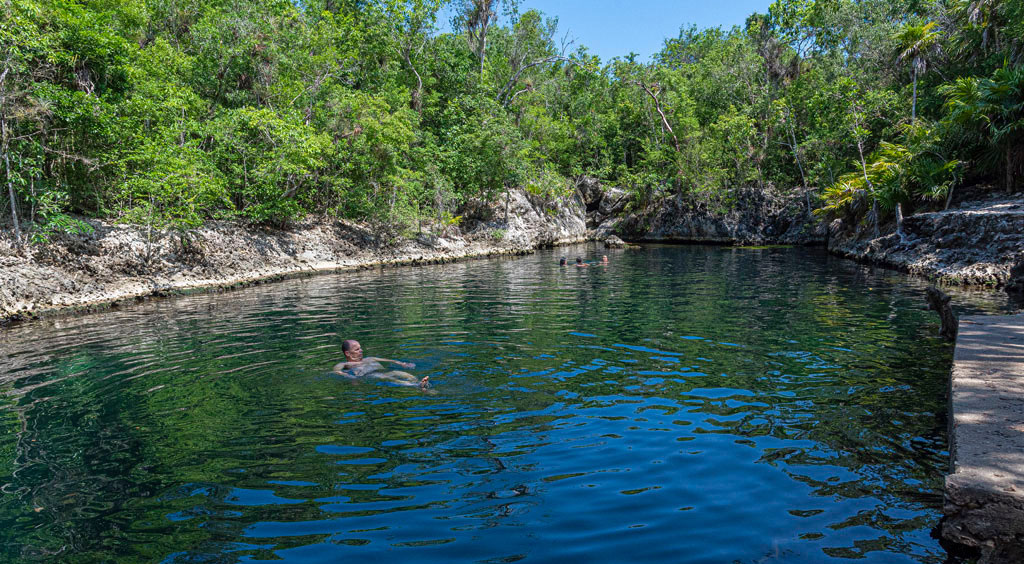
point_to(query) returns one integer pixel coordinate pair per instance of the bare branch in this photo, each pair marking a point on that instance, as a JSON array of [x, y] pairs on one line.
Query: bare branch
[[503, 93], [518, 92], [93, 165], [664, 120]]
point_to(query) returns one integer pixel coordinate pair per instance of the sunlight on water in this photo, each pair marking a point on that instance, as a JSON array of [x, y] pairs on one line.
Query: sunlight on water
[[682, 404]]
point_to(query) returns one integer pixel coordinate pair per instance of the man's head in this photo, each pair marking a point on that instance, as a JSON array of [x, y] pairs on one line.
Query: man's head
[[579, 260], [352, 350], [561, 261]]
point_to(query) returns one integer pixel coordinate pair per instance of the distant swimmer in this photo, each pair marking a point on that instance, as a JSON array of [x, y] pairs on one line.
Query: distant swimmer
[[355, 366], [604, 259], [561, 261], [580, 263]]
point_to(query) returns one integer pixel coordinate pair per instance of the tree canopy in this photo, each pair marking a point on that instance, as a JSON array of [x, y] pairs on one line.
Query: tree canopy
[[170, 113]]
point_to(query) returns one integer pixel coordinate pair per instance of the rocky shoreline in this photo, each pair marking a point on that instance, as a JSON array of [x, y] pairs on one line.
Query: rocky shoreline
[[755, 217], [116, 264], [979, 242]]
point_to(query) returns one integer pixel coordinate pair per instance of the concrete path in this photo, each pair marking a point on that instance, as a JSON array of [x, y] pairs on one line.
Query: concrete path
[[984, 500]]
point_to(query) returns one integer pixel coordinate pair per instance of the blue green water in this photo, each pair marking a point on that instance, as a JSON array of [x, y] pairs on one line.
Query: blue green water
[[682, 404]]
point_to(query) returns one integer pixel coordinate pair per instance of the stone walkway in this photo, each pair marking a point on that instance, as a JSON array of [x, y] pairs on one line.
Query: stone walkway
[[984, 498]]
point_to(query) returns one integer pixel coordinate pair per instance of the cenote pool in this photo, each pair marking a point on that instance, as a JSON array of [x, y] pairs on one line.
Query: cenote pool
[[683, 404]]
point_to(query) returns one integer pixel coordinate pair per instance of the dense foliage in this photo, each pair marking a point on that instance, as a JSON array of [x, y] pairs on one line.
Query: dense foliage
[[167, 113]]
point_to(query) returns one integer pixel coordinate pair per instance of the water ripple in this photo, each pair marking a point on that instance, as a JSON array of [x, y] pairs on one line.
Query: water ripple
[[694, 404]]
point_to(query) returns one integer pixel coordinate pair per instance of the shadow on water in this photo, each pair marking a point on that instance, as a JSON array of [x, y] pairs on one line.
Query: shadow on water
[[697, 404]]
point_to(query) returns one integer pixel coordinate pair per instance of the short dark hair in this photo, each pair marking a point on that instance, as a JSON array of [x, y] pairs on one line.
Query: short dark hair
[[347, 345], [578, 259]]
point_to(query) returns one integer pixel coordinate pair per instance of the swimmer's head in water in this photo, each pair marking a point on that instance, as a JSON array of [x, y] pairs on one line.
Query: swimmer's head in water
[[561, 261], [352, 350], [579, 260]]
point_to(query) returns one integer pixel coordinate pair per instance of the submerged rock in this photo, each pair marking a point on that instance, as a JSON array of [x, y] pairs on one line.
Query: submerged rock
[[614, 242]]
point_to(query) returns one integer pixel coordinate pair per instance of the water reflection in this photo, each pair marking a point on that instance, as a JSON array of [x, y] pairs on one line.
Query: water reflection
[[694, 404]]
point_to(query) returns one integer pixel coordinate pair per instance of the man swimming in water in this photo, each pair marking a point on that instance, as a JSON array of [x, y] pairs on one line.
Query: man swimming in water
[[355, 366]]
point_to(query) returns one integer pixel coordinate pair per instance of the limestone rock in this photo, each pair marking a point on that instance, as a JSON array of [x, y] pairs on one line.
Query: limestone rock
[[614, 242], [117, 262], [755, 216], [976, 243], [1015, 282], [589, 189], [613, 201]]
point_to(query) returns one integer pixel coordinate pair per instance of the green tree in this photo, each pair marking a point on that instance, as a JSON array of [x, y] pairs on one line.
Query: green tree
[[916, 44], [994, 104]]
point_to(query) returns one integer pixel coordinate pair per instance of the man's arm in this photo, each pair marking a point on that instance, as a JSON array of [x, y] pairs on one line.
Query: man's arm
[[398, 362]]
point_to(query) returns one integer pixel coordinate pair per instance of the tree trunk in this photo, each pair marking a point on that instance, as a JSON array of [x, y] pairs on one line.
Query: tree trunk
[[796, 154], [508, 199], [1009, 168], [437, 204], [664, 119], [899, 223], [874, 197], [913, 103], [874, 212], [417, 95], [483, 49], [149, 230], [10, 193], [938, 301], [391, 202], [478, 18], [864, 168], [10, 183]]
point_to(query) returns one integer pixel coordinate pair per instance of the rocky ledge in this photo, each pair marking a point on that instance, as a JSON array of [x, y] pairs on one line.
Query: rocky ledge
[[978, 242], [116, 263], [753, 216]]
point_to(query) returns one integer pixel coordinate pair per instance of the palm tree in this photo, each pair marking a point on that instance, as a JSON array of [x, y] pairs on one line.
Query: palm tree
[[1004, 94], [996, 104], [980, 15], [917, 43]]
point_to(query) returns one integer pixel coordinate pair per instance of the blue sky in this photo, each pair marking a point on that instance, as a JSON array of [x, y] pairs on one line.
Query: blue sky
[[612, 28]]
